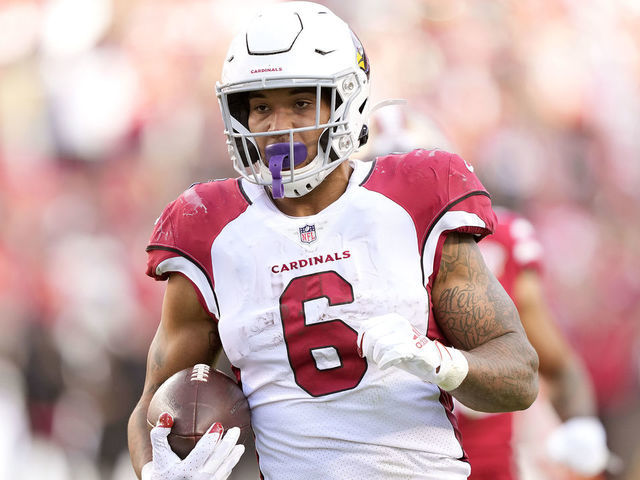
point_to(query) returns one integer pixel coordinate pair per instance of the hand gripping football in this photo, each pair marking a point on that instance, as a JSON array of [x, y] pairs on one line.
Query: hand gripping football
[[197, 397]]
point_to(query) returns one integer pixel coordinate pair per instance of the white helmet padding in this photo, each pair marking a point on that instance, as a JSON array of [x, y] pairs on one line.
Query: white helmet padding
[[296, 45]]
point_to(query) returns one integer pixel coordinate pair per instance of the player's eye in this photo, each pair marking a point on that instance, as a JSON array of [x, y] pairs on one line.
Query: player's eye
[[302, 104], [260, 108]]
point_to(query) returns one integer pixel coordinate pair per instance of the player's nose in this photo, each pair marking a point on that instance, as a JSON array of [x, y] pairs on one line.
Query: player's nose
[[280, 119]]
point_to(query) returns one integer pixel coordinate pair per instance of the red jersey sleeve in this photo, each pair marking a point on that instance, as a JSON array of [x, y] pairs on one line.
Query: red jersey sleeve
[[183, 235], [442, 194], [467, 194], [428, 184]]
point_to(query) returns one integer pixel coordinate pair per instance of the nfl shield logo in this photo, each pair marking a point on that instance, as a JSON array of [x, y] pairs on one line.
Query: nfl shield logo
[[308, 233]]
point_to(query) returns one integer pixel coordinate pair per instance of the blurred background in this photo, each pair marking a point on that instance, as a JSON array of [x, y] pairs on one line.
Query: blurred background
[[108, 112]]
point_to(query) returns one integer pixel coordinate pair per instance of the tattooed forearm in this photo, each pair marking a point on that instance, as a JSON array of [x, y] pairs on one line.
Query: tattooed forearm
[[501, 376], [477, 316]]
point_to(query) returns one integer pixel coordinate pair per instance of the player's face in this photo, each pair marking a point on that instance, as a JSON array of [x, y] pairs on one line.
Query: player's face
[[285, 108]]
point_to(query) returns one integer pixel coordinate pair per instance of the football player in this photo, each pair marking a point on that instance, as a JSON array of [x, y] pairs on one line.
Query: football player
[[350, 297], [514, 255]]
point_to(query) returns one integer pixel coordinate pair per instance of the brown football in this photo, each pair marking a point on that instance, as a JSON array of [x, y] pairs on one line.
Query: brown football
[[197, 397]]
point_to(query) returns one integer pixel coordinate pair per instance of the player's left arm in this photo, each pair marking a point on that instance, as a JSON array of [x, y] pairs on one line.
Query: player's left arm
[[476, 314]]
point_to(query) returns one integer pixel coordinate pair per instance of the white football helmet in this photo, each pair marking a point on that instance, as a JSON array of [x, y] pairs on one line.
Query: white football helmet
[[296, 44]]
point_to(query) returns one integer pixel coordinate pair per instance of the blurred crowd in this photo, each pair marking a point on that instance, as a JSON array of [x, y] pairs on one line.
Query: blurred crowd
[[108, 112]]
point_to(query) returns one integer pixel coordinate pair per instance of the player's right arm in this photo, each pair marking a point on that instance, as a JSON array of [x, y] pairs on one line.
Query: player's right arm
[[477, 315], [493, 367], [186, 335]]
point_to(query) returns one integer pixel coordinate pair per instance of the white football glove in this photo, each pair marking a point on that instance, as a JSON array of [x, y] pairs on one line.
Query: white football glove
[[580, 443], [212, 458], [390, 340]]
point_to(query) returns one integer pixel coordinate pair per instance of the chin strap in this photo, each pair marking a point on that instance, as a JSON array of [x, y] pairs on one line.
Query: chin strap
[[278, 155]]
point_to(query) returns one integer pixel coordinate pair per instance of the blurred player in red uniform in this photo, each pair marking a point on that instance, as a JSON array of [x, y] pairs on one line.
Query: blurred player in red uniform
[[514, 255], [577, 449]]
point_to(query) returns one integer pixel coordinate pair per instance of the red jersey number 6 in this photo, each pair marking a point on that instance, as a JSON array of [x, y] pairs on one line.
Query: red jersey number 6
[[332, 339]]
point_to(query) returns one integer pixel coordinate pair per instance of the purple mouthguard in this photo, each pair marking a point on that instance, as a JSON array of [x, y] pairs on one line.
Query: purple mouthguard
[[278, 158]]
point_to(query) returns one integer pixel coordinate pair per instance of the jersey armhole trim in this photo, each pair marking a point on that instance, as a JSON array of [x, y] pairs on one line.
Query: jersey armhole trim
[[451, 205], [436, 222], [368, 175], [195, 263], [242, 191]]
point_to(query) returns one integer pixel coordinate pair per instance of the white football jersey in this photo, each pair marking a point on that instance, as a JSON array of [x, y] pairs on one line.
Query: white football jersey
[[289, 294]]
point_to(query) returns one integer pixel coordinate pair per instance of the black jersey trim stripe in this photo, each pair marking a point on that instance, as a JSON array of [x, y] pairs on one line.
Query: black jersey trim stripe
[[373, 167], [182, 254], [442, 213], [243, 192]]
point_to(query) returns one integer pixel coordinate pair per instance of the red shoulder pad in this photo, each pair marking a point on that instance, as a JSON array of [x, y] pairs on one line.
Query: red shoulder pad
[[430, 183], [189, 225]]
